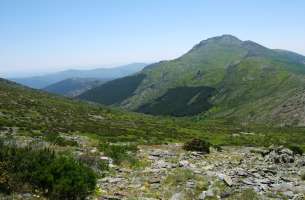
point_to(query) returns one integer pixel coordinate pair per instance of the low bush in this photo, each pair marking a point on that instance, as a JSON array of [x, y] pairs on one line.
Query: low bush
[[197, 145], [4, 178], [119, 153], [56, 176], [59, 140], [296, 149], [99, 166]]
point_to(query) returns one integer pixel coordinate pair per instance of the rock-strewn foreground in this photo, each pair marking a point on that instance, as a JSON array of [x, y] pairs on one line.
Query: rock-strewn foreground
[[168, 172]]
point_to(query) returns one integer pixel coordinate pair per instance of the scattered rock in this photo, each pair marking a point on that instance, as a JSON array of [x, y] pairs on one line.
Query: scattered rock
[[154, 180], [226, 179], [178, 196], [190, 184], [283, 187], [109, 198], [184, 163], [288, 194], [274, 170]]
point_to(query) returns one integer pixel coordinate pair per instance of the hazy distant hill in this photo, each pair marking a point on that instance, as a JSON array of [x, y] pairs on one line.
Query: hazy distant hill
[[73, 86], [219, 77], [40, 82]]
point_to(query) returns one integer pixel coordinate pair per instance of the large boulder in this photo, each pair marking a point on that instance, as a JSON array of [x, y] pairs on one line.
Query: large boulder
[[280, 155]]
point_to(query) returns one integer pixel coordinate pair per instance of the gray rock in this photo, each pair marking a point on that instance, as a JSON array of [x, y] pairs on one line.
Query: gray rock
[[206, 194], [289, 194], [298, 197], [190, 184], [248, 182], [162, 164], [178, 196], [184, 163], [300, 189], [202, 196], [27, 195], [282, 187], [109, 198], [154, 180], [300, 163], [226, 179], [280, 155], [209, 193], [240, 172], [287, 151]]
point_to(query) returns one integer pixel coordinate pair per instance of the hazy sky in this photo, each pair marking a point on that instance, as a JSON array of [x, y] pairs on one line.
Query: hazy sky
[[48, 35]]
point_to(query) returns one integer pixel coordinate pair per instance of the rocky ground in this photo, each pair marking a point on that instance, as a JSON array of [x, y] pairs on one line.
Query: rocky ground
[[168, 172]]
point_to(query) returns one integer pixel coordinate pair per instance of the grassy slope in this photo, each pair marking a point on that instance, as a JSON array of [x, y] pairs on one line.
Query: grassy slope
[[253, 88], [188, 101], [114, 92], [33, 111], [254, 82], [204, 65]]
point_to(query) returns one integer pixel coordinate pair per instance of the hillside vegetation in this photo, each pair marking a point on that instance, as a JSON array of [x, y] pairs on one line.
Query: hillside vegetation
[[67, 140], [253, 84]]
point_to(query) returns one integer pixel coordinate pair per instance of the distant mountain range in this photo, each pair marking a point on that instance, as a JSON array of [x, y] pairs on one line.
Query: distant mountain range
[[221, 77], [39, 82], [74, 86]]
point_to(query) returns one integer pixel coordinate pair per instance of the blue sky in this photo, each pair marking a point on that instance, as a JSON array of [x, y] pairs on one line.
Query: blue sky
[[39, 36]]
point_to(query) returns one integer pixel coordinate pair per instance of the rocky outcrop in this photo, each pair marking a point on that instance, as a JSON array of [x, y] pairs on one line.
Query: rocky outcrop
[[173, 173]]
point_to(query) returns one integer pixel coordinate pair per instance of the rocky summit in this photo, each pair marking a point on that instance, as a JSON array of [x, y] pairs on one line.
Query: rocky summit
[[168, 172]]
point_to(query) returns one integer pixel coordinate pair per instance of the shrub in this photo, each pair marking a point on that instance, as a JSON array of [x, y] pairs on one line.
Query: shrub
[[197, 145], [95, 163], [296, 149], [70, 179], [4, 178], [58, 177], [59, 140], [217, 147], [119, 153]]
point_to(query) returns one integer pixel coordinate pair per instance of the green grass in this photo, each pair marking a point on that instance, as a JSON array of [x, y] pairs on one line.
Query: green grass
[[248, 194], [177, 179]]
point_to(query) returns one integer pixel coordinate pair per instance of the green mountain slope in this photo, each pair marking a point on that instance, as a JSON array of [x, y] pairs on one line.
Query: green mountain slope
[[73, 86], [33, 112], [114, 92], [188, 101], [253, 83]]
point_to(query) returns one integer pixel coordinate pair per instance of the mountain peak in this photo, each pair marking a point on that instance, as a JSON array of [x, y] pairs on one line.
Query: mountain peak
[[225, 39]]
